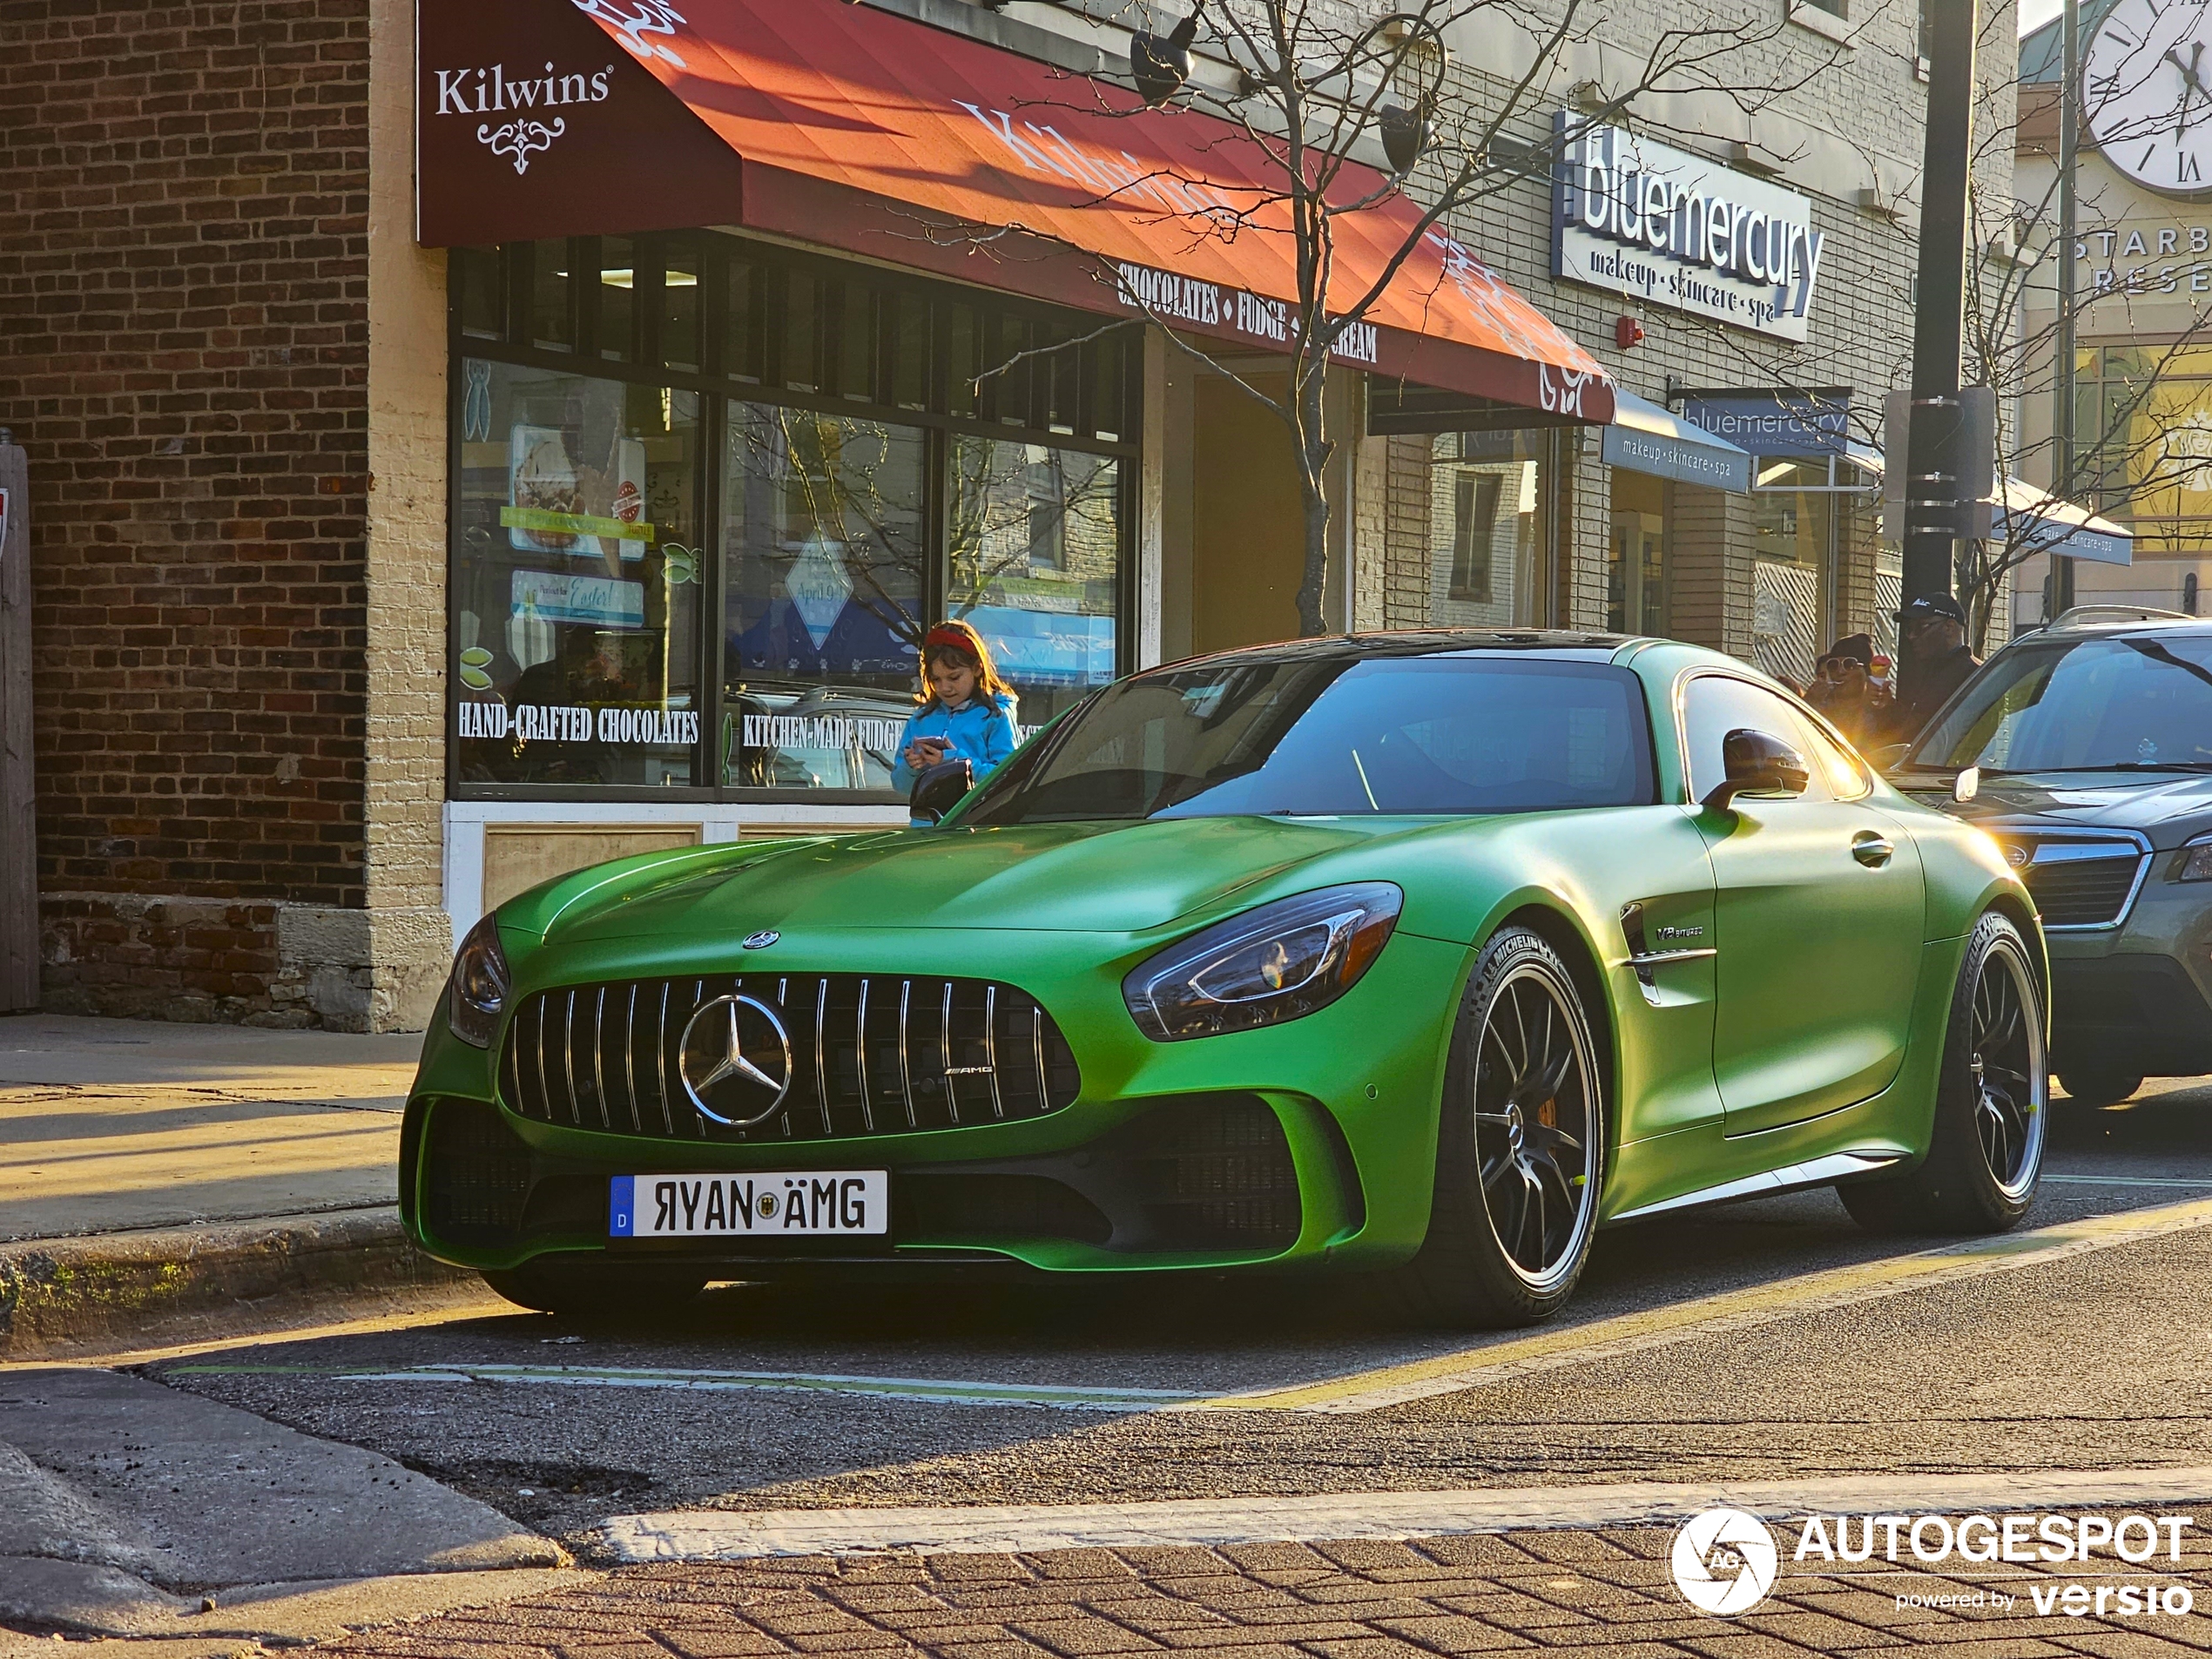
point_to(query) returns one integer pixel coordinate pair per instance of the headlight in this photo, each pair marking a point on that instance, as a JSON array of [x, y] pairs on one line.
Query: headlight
[[479, 985], [2196, 862], [1279, 962]]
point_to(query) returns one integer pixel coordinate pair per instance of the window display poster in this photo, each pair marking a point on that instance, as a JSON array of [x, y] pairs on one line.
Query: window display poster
[[556, 506], [557, 596]]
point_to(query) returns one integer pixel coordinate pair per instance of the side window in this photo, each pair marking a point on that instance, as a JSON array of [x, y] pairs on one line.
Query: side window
[[1847, 775], [1715, 705]]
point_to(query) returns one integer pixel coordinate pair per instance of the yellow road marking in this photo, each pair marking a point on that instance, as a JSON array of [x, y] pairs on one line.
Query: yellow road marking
[[1509, 1357]]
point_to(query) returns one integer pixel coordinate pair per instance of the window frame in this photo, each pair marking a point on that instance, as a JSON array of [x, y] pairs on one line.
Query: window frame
[[1788, 700], [511, 277]]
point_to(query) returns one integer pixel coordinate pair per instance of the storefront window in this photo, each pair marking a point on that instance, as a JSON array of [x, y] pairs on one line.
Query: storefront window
[[1489, 525], [1636, 562], [1793, 542], [1035, 549], [824, 555], [575, 580], [605, 636]]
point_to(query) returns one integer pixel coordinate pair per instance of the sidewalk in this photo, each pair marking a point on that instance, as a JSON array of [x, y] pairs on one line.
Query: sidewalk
[[158, 1180]]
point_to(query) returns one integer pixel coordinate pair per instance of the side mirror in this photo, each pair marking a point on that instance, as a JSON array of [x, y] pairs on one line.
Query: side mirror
[[939, 790], [1756, 763]]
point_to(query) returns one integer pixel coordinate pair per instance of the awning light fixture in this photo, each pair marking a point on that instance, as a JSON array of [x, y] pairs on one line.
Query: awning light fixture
[[1160, 64], [1405, 133]]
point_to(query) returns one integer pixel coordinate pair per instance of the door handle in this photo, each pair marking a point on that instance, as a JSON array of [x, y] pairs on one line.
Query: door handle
[[1871, 849]]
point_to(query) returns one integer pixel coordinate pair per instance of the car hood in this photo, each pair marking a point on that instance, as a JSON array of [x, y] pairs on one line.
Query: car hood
[[2169, 807], [1080, 878]]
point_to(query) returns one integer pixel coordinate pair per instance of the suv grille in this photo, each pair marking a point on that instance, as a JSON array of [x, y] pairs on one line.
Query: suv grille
[[871, 1055], [2079, 883]]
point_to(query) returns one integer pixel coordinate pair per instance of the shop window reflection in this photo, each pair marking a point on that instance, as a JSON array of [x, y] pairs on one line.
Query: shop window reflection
[[824, 560], [1486, 528], [1793, 547], [1033, 546], [617, 298], [575, 580], [1636, 562], [679, 306]]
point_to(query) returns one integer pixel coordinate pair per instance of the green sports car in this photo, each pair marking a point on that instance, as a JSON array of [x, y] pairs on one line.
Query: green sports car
[[1423, 956]]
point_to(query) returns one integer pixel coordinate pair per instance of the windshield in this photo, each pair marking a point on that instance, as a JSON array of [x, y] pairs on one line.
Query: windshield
[[1327, 737], [2059, 705]]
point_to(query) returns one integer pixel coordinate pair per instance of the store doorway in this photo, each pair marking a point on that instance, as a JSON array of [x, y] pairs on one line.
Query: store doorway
[[1636, 565], [1248, 527]]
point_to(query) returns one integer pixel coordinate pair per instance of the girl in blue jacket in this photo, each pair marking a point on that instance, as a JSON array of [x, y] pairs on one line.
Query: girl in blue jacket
[[967, 710]]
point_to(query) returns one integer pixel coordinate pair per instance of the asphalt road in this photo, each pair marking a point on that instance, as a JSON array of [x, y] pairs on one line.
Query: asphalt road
[[1772, 1340]]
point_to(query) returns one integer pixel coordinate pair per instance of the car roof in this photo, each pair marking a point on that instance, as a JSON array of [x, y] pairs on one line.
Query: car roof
[[1560, 644], [2129, 627]]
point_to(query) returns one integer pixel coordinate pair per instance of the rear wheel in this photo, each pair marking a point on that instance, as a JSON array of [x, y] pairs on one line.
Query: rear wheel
[[596, 1290], [1993, 1101], [1521, 1146], [2095, 1089]]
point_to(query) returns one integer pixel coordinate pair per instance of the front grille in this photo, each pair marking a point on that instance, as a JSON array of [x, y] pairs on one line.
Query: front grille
[[871, 1055], [478, 1174], [2087, 884]]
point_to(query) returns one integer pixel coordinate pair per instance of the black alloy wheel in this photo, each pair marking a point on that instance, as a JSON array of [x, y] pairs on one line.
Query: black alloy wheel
[[2011, 1081], [1991, 1106], [1520, 1145], [1532, 1122]]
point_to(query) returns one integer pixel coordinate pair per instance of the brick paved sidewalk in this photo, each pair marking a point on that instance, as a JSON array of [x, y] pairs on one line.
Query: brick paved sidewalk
[[1562, 1593]]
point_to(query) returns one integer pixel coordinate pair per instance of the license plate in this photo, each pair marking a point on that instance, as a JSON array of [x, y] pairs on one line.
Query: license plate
[[783, 1204]]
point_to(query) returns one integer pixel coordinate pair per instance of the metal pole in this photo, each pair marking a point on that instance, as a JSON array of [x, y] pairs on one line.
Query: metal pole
[[1933, 512], [18, 840], [2063, 382]]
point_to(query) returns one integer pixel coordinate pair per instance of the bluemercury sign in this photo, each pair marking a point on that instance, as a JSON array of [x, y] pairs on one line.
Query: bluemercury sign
[[1811, 423], [1673, 229], [1663, 456]]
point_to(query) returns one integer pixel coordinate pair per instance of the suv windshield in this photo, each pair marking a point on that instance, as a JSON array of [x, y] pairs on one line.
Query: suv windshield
[[2053, 704], [1325, 737]]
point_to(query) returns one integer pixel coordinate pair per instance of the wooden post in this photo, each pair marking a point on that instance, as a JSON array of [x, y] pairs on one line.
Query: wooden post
[[19, 844]]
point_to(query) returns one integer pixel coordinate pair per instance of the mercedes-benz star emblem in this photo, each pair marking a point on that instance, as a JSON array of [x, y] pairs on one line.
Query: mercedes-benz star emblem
[[735, 1060], [2016, 856], [761, 940]]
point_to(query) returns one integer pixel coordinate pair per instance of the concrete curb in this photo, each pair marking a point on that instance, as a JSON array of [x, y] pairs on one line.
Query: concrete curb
[[60, 1296]]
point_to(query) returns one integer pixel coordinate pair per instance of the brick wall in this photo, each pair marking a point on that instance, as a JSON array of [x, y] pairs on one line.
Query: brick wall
[[183, 351]]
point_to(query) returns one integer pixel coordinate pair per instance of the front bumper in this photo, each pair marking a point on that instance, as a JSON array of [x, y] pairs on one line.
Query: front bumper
[[1297, 1144]]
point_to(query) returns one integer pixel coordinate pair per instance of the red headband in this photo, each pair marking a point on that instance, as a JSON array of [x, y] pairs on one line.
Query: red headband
[[959, 639]]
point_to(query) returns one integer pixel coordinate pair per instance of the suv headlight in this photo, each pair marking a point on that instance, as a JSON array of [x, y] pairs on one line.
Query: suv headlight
[[2197, 860], [479, 985], [1279, 962]]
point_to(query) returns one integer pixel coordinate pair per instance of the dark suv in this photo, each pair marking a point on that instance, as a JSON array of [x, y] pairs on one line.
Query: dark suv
[[2086, 749]]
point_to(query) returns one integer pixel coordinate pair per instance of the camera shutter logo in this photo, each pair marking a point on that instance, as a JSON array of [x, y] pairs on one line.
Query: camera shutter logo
[[1724, 1561], [734, 1058]]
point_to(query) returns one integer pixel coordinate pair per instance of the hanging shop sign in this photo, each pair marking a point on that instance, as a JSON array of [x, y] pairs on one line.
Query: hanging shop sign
[[1812, 423], [1670, 228]]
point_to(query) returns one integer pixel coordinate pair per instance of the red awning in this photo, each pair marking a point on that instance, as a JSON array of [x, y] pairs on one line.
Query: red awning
[[848, 127]]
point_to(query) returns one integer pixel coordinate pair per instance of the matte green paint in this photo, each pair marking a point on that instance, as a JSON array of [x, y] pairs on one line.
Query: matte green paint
[[1832, 984]]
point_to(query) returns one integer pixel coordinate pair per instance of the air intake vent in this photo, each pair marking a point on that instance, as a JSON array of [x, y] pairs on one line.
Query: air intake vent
[[870, 1054]]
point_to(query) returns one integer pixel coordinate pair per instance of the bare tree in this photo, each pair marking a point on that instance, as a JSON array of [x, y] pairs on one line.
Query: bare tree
[[2134, 436], [1318, 89]]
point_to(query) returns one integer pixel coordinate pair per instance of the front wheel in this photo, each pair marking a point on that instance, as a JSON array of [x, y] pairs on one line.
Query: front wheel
[[1521, 1148], [1993, 1102], [596, 1289]]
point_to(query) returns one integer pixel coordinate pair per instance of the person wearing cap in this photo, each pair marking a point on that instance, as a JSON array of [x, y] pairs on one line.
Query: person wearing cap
[[1933, 632], [1843, 688], [966, 710]]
